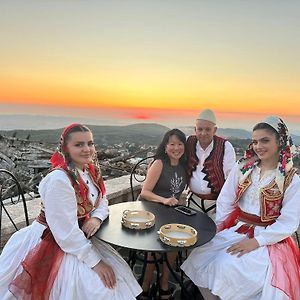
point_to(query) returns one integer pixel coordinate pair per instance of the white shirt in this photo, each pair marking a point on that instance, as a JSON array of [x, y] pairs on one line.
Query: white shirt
[[60, 203], [197, 183]]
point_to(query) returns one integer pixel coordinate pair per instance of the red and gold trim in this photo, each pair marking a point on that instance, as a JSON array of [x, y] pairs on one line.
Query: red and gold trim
[[270, 197], [213, 165], [242, 187], [270, 202]]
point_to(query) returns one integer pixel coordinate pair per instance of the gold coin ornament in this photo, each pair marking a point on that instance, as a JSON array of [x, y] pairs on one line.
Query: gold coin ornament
[[178, 235], [137, 219]]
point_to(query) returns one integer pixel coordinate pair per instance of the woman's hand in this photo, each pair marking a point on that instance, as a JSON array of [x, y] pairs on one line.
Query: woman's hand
[[170, 201], [91, 226], [106, 274], [243, 247]]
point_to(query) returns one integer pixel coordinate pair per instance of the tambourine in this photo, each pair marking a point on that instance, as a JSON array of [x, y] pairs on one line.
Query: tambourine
[[138, 219], [178, 235]]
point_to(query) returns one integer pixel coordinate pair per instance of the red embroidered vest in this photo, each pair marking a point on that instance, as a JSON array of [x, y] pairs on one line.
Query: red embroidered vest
[[270, 196], [213, 165]]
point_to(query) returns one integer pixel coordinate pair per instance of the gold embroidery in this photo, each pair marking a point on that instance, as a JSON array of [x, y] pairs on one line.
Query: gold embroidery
[[270, 197], [270, 202], [83, 207], [80, 210], [242, 187]]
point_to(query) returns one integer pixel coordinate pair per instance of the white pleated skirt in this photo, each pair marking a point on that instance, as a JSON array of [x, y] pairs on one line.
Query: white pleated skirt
[[75, 280], [230, 277]]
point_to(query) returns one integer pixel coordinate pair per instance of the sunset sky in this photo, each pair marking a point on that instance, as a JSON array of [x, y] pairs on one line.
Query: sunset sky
[[151, 60]]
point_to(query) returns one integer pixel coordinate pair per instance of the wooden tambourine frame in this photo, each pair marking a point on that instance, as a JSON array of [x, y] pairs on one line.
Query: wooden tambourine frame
[[178, 235], [137, 219]]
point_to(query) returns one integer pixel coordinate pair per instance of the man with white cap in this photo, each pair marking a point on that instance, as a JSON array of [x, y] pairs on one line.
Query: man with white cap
[[210, 157]]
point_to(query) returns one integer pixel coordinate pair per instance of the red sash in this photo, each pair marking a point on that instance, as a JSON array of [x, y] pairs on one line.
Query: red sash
[[251, 221], [40, 268]]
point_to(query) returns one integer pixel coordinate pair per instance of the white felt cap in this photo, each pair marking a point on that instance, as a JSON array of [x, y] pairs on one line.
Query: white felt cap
[[207, 115]]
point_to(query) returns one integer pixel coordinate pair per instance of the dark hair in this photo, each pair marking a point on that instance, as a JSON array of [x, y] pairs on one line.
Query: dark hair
[[160, 151], [77, 128], [66, 136], [267, 127]]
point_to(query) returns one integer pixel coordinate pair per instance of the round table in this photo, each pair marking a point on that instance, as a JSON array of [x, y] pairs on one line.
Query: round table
[[112, 231], [147, 240]]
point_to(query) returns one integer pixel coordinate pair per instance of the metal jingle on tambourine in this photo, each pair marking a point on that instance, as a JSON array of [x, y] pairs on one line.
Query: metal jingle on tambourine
[[178, 235], [137, 219]]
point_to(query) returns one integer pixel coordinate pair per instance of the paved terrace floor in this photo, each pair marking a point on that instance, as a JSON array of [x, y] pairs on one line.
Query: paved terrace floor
[[118, 190]]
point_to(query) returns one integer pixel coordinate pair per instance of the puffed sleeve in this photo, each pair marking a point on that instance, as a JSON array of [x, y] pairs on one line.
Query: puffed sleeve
[[60, 204], [288, 221], [227, 196]]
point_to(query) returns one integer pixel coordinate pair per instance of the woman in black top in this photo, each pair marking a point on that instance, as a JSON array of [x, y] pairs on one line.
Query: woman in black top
[[165, 181]]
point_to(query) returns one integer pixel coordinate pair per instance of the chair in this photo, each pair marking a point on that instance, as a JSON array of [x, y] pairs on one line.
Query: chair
[[138, 173], [202, 206], [11, 193]]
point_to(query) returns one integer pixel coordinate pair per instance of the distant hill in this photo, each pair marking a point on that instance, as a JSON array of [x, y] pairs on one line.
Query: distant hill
[[37, 122], [145, 133], [234, 133], [137, 133], [224, 132]]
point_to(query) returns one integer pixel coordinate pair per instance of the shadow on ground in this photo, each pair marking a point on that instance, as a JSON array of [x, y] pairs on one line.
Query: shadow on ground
[[193, 291]]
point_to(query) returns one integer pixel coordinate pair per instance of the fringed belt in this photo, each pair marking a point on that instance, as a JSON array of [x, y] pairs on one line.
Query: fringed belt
[[251, 221]]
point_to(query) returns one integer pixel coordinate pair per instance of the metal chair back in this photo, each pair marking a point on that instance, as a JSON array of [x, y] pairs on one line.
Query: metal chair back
[[138, 173], [11, 193]]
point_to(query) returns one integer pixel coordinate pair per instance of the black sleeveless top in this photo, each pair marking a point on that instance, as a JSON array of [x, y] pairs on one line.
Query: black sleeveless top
[[171, 182]]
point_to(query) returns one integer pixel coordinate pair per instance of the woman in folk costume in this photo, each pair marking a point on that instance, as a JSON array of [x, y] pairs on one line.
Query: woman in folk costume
[[253, 256], [55, 257]]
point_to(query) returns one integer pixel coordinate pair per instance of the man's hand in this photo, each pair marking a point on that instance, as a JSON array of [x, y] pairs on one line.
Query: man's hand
[[91, 226], [243, 247], [106, 274]]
